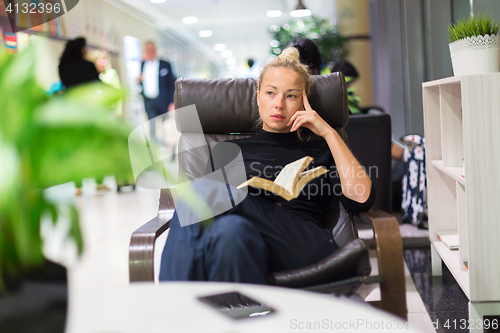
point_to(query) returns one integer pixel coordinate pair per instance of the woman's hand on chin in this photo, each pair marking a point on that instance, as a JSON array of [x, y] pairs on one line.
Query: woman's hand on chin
[[310, 119]]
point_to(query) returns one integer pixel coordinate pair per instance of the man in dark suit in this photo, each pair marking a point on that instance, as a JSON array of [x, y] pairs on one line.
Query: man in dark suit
[[157, 82]]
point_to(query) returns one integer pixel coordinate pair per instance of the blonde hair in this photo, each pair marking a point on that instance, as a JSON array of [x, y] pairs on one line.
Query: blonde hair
[[289, 58], [97, 54]]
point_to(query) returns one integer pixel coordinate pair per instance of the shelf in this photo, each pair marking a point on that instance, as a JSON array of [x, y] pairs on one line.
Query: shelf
[[454, 172], [456, 132], [452, 261], [449, 80]]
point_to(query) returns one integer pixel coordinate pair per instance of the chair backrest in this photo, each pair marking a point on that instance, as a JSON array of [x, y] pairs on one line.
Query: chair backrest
[[370, 142], [227, 109]]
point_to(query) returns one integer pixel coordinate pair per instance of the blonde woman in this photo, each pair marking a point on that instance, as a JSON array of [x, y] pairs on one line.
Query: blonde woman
[[107, 74], [258, 237]]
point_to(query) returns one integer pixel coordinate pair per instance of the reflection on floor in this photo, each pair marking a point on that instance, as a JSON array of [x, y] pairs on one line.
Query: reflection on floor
[[417, 313], [443, 298]]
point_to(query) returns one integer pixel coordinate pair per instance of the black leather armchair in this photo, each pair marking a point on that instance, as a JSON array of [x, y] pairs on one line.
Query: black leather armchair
[[234, 101], [370, 142]]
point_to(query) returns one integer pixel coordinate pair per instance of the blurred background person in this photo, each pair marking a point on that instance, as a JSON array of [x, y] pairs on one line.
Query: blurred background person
[[107, 75], [158, 87], [309, 54], [73, 68], [348, 69], [252, 71]]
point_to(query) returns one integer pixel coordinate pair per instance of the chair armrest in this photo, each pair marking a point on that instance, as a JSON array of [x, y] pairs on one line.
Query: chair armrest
[[390, 261], [142, 242], [348, 261]]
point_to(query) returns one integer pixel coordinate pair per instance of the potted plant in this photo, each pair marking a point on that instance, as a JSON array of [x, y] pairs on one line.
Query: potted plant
[[474, 46], [46, 141], [331, 44]]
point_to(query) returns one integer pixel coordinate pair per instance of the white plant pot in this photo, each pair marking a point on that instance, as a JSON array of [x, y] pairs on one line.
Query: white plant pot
[[475, 55]]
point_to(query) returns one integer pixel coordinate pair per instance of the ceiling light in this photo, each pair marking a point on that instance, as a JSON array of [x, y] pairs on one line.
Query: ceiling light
[[205, 33], [300, 10], [220, 47], [231, 61], [158, 1], [300, 13], [188, 19], [273, 13], [226, 53]]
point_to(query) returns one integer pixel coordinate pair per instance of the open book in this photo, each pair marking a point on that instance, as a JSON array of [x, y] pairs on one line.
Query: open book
[[290, 181]]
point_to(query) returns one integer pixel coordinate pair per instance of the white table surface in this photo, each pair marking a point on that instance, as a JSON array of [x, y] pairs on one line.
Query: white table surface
[[173, 307]]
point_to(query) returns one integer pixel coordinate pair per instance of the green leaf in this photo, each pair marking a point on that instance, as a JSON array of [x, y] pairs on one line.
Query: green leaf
[[480, 25], [72, 142], [16, 83], [74, 230], [95, 94]]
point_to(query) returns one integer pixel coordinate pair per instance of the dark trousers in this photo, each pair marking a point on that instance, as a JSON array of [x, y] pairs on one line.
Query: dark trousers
[[153, 110], [244, 244]]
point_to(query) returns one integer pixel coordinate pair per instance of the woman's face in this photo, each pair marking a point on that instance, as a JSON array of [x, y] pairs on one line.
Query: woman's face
[[279, 97], [101, 64]]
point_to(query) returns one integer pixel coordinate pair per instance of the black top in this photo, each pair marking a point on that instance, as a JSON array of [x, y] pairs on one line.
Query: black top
[[77, 72], [266, 153]]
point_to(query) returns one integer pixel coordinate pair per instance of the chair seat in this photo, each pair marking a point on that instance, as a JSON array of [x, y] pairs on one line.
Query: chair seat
[[351, 260]]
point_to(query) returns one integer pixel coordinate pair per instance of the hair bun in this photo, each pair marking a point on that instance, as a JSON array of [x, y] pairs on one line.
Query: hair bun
[[290, 53]]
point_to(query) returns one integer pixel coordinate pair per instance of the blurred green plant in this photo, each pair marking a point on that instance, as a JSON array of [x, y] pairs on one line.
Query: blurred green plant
[[331, 44], [352, 98], [480, 25], [46, 141]]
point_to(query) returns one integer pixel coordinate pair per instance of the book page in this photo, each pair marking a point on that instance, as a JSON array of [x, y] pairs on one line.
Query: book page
[[450, 240], [268, 186], [306, 176], [290, 173]]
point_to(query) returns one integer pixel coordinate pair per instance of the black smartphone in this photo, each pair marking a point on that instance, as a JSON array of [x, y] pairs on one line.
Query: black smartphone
[[237, 305]]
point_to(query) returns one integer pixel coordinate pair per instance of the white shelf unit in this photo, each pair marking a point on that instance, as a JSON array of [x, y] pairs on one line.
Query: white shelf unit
[[462, 124]]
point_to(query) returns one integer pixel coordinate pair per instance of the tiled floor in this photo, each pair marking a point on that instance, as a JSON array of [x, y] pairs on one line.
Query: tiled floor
[[417, 314], [442, 296]]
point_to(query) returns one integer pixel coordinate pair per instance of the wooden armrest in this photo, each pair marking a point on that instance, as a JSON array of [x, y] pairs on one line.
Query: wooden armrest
[[390, 261], [142, 243]]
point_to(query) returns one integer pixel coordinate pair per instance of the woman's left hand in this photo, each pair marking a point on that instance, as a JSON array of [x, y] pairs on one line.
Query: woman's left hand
[[310, 119]]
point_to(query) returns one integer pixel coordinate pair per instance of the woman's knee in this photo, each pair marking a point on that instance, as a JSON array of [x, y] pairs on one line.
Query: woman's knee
[[230, 227], [232, 238]]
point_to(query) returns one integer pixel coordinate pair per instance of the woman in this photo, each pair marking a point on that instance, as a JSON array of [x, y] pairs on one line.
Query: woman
[[258, 237], [73, 68], [107, 75]]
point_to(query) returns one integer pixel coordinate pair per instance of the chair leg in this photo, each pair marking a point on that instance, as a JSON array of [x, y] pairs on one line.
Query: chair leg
[[390, 262]]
